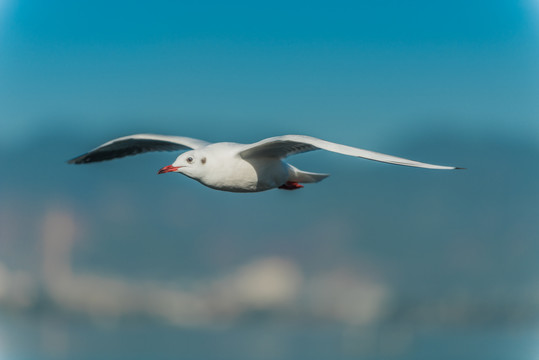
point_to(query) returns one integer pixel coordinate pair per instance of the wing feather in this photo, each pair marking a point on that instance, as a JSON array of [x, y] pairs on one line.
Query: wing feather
[[286, 145], [137, 144]]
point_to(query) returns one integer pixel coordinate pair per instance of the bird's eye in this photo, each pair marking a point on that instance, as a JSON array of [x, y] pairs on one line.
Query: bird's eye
[[189, 159]]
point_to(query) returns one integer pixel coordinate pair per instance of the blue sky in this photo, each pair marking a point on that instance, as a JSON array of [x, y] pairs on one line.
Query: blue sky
[[356, 72]]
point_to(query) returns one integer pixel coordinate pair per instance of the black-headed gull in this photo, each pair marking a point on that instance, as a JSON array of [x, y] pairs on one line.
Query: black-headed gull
[[238, 167]]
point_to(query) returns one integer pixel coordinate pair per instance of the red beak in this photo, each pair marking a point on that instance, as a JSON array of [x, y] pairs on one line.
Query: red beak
[[168, 168]]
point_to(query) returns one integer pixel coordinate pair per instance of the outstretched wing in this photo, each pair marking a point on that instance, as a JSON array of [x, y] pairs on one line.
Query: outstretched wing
[[286, 145], [137, 144]]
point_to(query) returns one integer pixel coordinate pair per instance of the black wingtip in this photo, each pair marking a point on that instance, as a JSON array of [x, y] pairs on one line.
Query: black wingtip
[[81, 159], [460, 168], [73, 161]]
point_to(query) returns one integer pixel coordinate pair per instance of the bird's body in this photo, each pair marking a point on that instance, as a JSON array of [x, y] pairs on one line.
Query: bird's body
[[224, 170], [237, 167]]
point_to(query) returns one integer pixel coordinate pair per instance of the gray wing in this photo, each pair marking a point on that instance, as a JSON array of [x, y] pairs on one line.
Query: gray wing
[[137, 144], [286, 145]]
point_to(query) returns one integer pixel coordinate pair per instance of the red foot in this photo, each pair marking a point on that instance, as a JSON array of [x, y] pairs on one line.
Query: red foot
[[290, 185]]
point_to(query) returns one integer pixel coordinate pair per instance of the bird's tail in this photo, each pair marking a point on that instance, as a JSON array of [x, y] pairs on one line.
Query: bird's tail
[[296, 175]]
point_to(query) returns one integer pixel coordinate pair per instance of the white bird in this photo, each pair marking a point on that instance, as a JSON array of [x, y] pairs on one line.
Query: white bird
[[238, 167]]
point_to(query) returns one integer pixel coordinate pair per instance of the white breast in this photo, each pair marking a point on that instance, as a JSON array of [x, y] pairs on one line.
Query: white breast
[[228, 171]]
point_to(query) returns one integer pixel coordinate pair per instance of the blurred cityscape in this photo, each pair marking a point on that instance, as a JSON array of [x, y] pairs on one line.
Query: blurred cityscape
[[271, 287]]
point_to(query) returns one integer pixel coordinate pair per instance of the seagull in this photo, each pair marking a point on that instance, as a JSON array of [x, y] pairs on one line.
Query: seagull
[[235, 167]]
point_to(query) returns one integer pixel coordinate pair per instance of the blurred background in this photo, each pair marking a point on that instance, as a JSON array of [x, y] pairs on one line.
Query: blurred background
[[376, 262]]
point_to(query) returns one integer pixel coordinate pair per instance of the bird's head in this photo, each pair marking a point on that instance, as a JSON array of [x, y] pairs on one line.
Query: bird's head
[[190, 163]]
